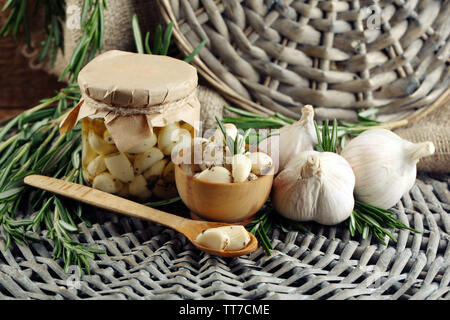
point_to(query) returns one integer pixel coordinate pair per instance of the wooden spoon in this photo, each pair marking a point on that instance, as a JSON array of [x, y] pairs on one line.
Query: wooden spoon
[[190, 228]]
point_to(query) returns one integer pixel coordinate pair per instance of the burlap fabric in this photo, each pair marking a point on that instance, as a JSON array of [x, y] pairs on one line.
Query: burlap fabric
[[118, 35]]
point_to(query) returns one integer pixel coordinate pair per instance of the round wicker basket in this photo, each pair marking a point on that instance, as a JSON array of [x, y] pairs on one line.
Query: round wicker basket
[[271, 56]]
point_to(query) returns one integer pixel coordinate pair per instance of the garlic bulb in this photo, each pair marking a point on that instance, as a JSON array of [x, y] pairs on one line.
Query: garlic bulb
[[384, 165], [315, 186], [293, 139]]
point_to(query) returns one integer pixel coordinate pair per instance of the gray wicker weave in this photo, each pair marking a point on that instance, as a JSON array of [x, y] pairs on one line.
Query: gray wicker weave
[[339, 56], [147, 261]]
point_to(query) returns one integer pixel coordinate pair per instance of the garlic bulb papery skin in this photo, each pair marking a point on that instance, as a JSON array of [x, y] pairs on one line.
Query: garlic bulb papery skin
[[293, 139], [384, 165], [315, 186]]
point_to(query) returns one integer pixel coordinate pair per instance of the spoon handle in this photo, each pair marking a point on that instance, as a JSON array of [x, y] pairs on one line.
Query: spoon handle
[[106, 201]]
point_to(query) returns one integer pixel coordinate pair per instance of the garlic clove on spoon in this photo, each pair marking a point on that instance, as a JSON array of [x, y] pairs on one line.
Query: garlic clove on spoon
[[315, 186], [384, 165]]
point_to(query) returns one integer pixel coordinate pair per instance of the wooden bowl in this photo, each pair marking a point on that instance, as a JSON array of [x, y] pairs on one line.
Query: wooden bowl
[[225, 202]]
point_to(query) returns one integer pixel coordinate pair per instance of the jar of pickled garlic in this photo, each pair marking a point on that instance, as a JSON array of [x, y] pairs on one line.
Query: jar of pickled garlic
[[136, 110]]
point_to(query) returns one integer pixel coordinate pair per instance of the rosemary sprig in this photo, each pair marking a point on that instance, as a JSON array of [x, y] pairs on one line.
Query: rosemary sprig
[[161, 42], [16, 19], [54, 14], [30, 144], [265, 219], [91, 41], [365, 218]]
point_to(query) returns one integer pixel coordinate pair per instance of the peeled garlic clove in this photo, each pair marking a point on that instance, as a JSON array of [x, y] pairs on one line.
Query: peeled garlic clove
[[230, 129], [87, 153], [87, 177], [215, 174], [292, 139], [99, 145], [138, 188], [315, 186], [213, 238], [145, 160], [241, 167], [170, 135], [261, 162], [239, 237], [144, 145], [384, 165], [96, 166], [252, 176], [155, 171], [186, 126], [164, 190], [120, 167], [169, 173], [107, 137], [123, 190], [107, 183], [212, 156]]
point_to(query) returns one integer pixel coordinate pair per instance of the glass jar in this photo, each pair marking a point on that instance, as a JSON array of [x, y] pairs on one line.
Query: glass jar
[[144, 170], [127, 148]]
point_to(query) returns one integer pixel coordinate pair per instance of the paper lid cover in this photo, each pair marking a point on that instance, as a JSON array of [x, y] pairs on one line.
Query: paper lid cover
[[127, 79]]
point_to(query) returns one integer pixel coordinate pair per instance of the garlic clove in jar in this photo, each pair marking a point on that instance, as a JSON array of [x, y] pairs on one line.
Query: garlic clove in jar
[[315, 186], [155, 171], [186, 126], [164, 190], [144, 145], [107, 137], [170, 135], [384, 165], [215, 174], [99, 145], [145, 160], [96, 166], [241, 167], [169, 173], [261, 162], [138, 188], [107, 183], [119, 166], [292, 139]]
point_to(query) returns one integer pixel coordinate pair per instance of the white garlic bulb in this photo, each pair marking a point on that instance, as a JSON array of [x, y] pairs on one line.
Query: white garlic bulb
[[384, 165], [293, 139], [315, 186]]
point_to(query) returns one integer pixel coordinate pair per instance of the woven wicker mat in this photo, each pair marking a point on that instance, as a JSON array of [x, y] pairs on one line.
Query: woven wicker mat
[[148, 261]]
